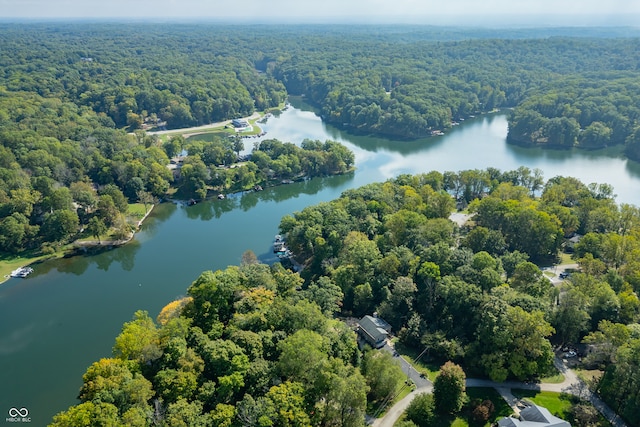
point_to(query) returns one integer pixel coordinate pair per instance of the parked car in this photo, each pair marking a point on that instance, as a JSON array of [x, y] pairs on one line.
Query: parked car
[[570, 354], [563, 275]]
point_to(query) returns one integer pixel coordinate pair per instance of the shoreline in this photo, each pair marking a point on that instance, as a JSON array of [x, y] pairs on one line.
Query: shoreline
[[76, 247]]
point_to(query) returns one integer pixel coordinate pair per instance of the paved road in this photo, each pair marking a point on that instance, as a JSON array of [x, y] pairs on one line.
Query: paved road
[[571, 384], [408, 369], [396, 411], [562, 268], [423, 385], [196, 129]]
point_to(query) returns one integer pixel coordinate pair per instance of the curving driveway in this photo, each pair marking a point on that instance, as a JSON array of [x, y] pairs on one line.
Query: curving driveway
[[571, 384]]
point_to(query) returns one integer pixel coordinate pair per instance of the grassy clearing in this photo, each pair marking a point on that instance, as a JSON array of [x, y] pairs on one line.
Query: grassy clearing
[[137, 210], [7, 265], [557, 403], [429, 368], [589, 376], [553, 378], [566, 258]]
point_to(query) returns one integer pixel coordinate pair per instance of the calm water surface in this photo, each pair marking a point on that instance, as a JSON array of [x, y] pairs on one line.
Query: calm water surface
[[66, 315]]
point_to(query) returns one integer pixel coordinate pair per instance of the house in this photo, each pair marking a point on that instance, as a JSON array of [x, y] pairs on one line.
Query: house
[[534, 416], [373, 330]]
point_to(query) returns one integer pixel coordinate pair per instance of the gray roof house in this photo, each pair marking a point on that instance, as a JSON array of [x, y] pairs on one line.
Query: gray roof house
[[373, 330], [534, 416]]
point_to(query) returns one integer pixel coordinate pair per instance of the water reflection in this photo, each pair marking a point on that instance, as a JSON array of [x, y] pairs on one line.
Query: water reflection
[[248, 200], [103, 257]]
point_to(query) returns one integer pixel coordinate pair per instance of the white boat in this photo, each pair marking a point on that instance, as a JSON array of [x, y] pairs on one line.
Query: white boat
[[22, 272]]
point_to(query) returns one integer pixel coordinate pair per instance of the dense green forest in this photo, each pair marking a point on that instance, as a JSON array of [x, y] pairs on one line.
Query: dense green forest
[[215, 165], [255, 345], [245, 348], [70, 92], [474, 295], [584, 111]]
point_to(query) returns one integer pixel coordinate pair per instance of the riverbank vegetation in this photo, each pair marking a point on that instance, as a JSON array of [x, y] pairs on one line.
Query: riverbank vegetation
[[245, 348], [215, 165], [260, 345], [581, 111], [68, 93]]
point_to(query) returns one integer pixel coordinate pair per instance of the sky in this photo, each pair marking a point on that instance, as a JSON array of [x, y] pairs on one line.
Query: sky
[[447, 12]]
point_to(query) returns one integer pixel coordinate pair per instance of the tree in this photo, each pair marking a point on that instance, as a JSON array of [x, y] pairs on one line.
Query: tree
[[528, 278], [87, 414], [604, 342], [118, 198], [115, 381], [60, 225], [186, 414], [285, 405], [96, 227], [173, 385], [14, 232], [400, 304], [511, 341], [421, 410], [382, 373], [570, 317], [138, 339], [345, 399], [326, 294], [449, 389], [107, 210], [303, 356]]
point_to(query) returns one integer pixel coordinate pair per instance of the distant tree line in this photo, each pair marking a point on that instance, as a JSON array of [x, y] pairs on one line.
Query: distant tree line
[[68, 92], [585, 112]]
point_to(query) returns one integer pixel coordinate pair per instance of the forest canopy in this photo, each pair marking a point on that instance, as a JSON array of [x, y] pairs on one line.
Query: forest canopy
[[69, 93], [261, 345]]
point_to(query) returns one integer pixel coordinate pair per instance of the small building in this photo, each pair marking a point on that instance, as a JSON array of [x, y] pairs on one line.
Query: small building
[[240, 123], [373, 330], [534, 416]]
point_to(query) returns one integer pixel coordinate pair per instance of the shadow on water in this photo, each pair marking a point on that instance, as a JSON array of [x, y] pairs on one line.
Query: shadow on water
[[246, 201], [103, 257]]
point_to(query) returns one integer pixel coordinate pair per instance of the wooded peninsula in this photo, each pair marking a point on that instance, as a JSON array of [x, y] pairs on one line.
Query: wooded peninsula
[[255, 345], [75, 100]]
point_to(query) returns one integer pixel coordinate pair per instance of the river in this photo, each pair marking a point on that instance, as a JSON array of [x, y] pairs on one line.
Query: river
[[65, 316]]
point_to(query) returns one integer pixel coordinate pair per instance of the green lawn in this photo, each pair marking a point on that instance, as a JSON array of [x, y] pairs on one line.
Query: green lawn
[[557, 403], [565, 258], [589, 376], [137, 210], [7, 265], [553, 379]]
